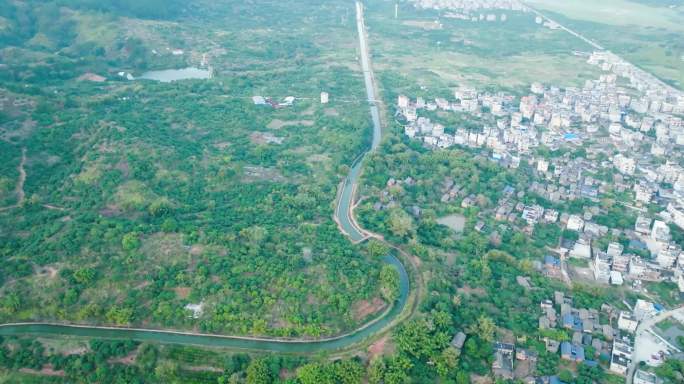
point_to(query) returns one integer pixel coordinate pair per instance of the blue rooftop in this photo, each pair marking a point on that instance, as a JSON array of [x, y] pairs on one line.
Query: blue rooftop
[[572, 322], [548, 259], [570, 136], [555, 380], [572, 352]]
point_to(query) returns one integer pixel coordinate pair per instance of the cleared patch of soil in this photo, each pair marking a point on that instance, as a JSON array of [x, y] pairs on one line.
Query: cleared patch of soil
[[75, 351], [255, 173], [182, 292], [277, 123], [45, 371], [126, 360], [377, 348], [472, 291], [47, 271], [318, 158], [265, 138], [123, 167], [23, 132], [19, 191], [364, 308], [89, 76], [331, 112], [110, 211]]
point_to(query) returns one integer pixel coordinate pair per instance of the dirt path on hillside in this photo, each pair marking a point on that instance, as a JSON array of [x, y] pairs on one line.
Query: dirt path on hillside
[[19, 189]]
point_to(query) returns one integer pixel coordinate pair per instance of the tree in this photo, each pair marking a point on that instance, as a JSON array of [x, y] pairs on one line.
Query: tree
[[376, 248], [146, 357], [413, 338], [314, 373], [119, 315], [400, 222], [447, 361], [11, 303], [389, 283], [84, 275], [484, 328], [258, 372], [130, 241], [547, 364], [376, 370], [397, 370], [348, 372], [167, 371], [565, 376]]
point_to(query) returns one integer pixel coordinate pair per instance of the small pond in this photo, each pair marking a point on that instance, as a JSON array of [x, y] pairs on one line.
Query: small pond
[[169, 75]]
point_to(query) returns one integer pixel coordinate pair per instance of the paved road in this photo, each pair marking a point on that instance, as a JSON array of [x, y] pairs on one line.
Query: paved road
[[641, 330]]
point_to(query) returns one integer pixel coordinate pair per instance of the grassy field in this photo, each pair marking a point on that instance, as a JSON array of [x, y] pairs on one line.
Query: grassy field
[[651, 37], [438, 52], [619, 12]]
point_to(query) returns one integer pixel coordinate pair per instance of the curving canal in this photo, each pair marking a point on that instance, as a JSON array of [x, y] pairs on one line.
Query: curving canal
[[347, 224]]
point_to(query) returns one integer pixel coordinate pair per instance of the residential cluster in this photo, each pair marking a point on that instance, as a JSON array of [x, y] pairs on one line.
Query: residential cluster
[[469, 6], [596, 335], [593, 332], [472, 10], [619, 134]]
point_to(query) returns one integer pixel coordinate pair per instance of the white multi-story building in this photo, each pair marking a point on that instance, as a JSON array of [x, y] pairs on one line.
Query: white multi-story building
[[643, 225], [624, 165], [637, 267], [602, 267], [643, 377], [621, 357], [575, 223], [660, 231], [643, 193], [614, 249], [677, 214], [627, 322], [403, 101], [667, 256]]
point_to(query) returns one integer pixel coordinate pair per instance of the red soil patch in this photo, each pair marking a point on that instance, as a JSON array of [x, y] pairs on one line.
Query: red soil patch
[[377, 348], [75, 351], [472, 291], [182, 292], [196, 250], [285, 374], [362, 309], [126, 360], [124, 168], [91, 77], [110, 211]]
